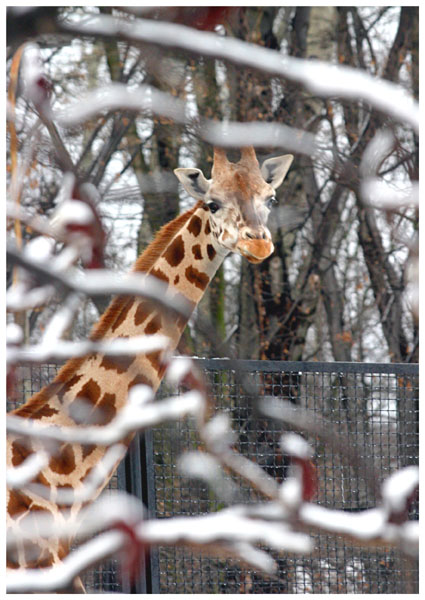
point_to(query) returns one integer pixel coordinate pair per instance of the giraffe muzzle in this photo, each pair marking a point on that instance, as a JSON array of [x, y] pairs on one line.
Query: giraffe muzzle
[[255, 251]]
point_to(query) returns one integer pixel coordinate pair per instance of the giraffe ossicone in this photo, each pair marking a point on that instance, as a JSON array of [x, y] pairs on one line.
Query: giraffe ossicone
[[230, 216]]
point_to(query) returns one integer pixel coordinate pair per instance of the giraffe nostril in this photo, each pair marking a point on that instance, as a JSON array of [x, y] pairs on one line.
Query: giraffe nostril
[[255, 235]]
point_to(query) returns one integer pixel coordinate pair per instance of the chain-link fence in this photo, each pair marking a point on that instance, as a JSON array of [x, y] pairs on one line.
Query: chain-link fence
[[375, 409]]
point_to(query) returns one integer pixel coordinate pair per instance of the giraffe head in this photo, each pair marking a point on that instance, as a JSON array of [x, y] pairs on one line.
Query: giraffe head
[[239, 197]]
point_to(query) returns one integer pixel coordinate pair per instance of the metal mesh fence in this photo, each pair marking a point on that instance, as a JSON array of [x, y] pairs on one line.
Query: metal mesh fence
[[374, 408]]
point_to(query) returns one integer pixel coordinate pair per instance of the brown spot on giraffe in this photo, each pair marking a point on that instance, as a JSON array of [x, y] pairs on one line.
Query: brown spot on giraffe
[[143, 310], [86, 398], [154, 325], [64, 462], [176, 279], [120, 364], [211, 251], [90, 391], [20, 452], [175, 252], [35, 557], [197, 252], [41, 479], [18, 503], [195, 225], [181, 320], [207, 228], [45, 411], [200, 280], [155, 358], [86, 473], [87, 449]]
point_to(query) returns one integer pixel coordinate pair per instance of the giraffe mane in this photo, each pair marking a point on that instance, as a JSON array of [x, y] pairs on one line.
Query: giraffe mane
[[142, 265], [147, 259], [35, 406]]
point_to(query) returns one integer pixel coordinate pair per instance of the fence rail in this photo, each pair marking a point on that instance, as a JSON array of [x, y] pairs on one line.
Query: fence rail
[[375, 408]]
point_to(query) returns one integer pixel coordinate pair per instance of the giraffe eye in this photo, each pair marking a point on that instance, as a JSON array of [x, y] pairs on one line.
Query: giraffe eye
[[213, 206], [272, 201]]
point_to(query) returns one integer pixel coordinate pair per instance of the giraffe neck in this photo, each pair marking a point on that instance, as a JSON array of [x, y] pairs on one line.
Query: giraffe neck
[[91, 391], [185, 256]]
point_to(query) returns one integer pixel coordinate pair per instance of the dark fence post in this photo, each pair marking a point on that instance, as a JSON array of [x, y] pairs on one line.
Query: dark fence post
[[148, 491], [139, 481]]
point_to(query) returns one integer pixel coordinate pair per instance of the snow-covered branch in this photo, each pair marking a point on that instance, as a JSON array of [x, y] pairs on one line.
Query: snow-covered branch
[[139, 414], [117, 96], [115, 348], [20, 476], [321, 78], [233, 531], [375, 527], [96, 283]]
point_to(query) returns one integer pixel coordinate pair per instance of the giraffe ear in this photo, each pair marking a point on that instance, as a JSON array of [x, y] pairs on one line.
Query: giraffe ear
[[274, 169], [193, 182]]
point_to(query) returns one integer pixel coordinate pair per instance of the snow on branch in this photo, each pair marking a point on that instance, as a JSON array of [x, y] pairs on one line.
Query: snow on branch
[[96, 283], [116, 348], [118, 96], [138, 415], [231, 531], [319, 77], [18, 477], [378, 194]]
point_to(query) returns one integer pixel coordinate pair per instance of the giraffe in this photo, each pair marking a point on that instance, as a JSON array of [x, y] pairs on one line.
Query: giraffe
[[230, 215]]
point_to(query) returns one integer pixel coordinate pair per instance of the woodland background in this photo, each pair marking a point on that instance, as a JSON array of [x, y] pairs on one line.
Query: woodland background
[[335, 288], [341, 285]]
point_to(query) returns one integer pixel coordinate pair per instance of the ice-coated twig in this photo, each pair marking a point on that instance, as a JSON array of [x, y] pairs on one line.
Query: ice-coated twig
[[93, 518], [117, 96], [58, 324], [226, 528], [37, 223], [368, 527], [227, 524], [236, 135], [18, 477], [44, 352], [398, 490], [219, 438], [299, 418], [321, 78], [136, 416], [98, 283], [91, 485], [61, 576]]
